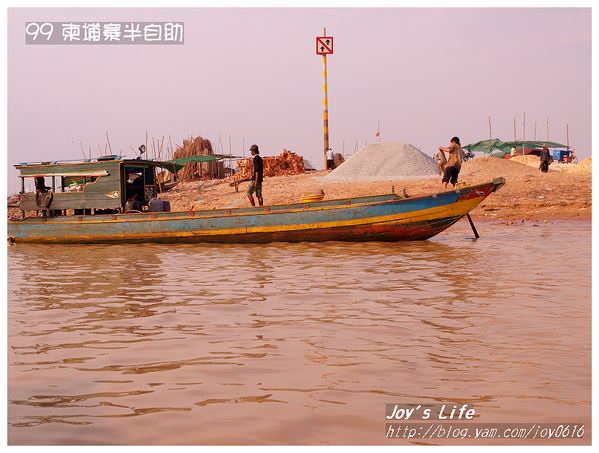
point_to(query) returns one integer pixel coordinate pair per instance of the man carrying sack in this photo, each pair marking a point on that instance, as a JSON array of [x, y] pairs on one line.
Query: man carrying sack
[[454, 162]]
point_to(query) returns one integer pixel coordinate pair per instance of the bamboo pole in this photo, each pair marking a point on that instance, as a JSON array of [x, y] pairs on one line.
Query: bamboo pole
[[490, 130], [230, 154], [523, 132], [515, 129], [567, 136], [547, 137], [476, 235], [161, 181], [108, 140]]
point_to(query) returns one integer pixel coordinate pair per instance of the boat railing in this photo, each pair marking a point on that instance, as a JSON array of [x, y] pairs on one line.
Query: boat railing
[[67, 161]]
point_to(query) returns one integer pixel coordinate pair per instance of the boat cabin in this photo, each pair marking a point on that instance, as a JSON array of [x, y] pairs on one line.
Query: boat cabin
[[108, 184]]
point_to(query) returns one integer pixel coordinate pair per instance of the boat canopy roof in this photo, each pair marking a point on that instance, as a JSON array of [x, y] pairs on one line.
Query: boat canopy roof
[[74, 167], [92, 174], [73, 162]]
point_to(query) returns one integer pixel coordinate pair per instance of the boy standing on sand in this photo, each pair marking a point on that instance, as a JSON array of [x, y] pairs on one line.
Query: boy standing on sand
[[454, 162], [257, 176]]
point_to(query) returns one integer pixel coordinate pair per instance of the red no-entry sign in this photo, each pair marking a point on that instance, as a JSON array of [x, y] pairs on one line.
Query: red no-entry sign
[[324, 45]]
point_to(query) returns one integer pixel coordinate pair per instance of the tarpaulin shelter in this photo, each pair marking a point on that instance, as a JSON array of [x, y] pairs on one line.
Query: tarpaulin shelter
[[177, 164], [498, 147]]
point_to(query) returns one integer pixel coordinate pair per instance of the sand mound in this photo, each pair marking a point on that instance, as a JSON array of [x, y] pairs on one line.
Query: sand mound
[[586, 166], [530, 159], [492, 167], [380, 161]]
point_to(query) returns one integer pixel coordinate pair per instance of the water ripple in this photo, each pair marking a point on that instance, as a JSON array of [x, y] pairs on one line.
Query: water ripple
[[179, 344]]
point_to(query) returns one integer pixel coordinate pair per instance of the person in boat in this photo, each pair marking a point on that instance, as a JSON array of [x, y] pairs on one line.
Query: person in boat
[[43, 195], [132, 203], [330, 159], [545, 159], [257, 176], [454, 162]]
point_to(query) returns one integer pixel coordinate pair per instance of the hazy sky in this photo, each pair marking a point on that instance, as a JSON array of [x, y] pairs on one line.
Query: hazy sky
[[426, 74]]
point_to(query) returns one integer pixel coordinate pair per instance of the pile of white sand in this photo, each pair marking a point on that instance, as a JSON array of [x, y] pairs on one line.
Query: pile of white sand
[[380, 161]]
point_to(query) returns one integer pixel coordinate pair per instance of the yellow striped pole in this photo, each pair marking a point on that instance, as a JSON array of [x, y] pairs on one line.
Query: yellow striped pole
[[325, 113]]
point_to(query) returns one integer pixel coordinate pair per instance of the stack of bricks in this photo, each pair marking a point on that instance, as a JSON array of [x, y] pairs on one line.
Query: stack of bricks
[[338, 159], [286, 163]]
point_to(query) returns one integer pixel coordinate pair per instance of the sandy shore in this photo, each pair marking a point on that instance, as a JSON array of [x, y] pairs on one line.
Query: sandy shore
[[563, 193]]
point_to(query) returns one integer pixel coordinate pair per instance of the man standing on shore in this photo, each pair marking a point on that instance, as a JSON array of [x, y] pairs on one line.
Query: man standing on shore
[[257, 176], [454, 162], [330, 159], [545, 159]]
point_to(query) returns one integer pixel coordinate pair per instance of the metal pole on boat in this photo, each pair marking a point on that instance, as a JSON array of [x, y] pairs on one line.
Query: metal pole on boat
[[476, 235]]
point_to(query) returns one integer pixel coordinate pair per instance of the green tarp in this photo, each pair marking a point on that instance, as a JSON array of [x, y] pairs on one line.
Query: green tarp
[[488, 146], [178, 164]]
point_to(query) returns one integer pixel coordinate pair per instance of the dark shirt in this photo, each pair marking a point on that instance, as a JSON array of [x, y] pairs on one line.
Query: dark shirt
[[257, 168], [545, 156]]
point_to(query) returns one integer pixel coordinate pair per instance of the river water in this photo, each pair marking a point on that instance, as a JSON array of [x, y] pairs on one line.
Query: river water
[[296, 343]]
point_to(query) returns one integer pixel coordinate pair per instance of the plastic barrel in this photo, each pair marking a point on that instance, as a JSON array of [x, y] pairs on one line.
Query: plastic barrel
[[155, 205]]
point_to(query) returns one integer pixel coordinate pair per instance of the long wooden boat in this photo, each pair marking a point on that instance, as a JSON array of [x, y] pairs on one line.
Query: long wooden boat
[[375, 218]]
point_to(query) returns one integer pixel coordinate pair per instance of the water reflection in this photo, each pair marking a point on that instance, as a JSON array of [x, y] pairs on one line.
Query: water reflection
[[107, 342]]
